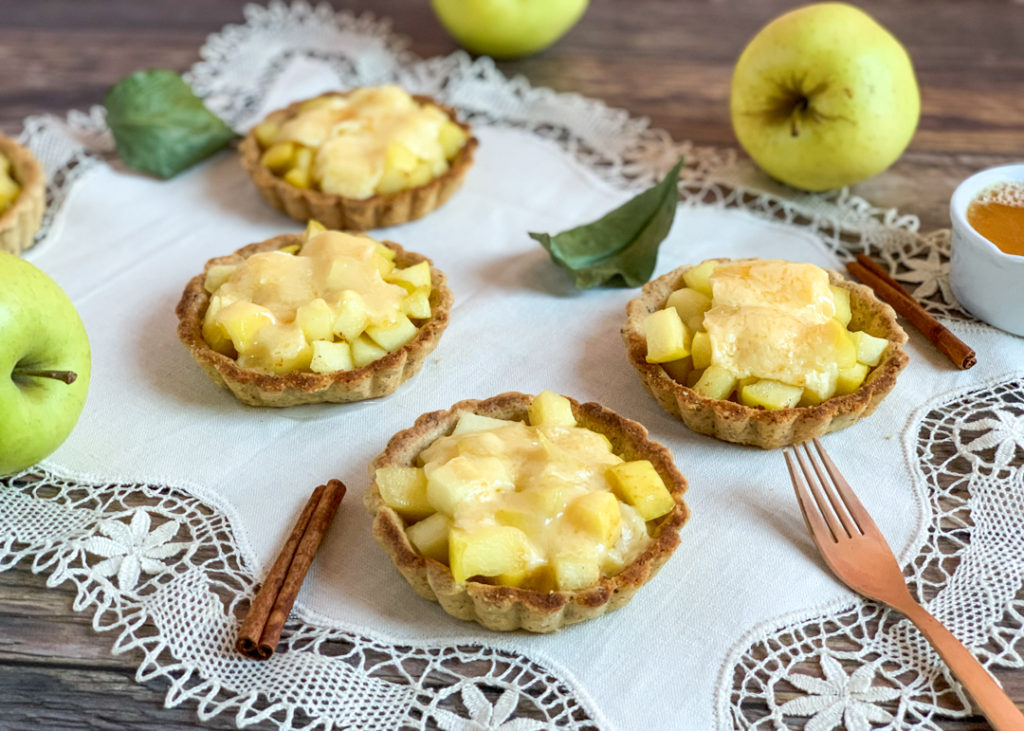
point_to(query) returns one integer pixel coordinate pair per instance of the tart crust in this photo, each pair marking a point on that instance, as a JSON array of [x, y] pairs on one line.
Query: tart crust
[[355, 214], [255, 388], [20, 222], [507, 608], [741, 424]]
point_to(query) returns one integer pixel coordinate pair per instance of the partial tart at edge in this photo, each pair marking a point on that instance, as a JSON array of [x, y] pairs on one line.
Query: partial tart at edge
[[20, 223]]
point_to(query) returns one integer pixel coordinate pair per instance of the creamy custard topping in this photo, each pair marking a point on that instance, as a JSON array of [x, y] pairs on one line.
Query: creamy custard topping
[[774, 320], [528, 476], [274, 307], [353, 137], [800, 290]]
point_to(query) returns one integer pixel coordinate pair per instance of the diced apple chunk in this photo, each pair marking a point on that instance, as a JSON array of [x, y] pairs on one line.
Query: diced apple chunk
[[217, 274], [637, 483], [699, 277], [412, 278], [463, 476], [299, 177], [574, 571], [420, 175], [470, 422], [678, 370], [351, 318], [550, 409], [329, 357], [279, 157], [365, 351], [715, 383], [241, 322], [596, 514], [265, 133], [417, 304], [488, 551], [845, 347], [531, 509], [841, 298], [691, 306], [399, 157], [393, 336], [451, 137], [700, 350], [771, 395], [430, 536], [405, 490], [815, 393], [313, 228], [667, 336], [869, 348], [315, 319], [849, 379], [392, 180], [280, 349]]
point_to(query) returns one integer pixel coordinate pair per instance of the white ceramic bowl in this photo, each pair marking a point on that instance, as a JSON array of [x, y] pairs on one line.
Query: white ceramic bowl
[[986, 281]]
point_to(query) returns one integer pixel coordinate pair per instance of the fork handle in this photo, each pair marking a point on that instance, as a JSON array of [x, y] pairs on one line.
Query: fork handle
[[986, 692]]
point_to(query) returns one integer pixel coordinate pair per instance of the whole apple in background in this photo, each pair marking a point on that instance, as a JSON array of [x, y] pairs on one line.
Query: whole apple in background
[[508, 28], [44, 364], [823, 97]]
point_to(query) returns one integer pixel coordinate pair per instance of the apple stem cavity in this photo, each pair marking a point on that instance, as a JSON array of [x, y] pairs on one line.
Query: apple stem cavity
[[65, 376]]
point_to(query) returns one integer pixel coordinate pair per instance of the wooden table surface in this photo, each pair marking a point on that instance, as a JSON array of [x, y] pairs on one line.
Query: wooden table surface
[[668, 60]]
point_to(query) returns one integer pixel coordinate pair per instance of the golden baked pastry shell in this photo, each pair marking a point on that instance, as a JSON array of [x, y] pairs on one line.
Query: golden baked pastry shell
[[255, 388], [355, 214], [20, 222], [768, 429], [507, 608]]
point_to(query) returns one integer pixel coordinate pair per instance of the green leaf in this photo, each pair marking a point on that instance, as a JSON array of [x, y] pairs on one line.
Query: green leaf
[[621, 248], [160, 126]]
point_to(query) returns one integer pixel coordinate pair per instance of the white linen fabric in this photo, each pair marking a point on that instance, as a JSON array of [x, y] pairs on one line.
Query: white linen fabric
[[163, 463]]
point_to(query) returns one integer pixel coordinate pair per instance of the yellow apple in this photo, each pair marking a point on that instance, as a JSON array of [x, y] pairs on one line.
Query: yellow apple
[[508, 28], [824, 96]]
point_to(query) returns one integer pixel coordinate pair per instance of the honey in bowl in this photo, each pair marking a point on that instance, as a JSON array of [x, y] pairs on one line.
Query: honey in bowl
[[997, 213]]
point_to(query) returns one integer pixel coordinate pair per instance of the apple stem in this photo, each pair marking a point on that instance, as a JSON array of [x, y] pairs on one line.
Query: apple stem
[[66, 376]]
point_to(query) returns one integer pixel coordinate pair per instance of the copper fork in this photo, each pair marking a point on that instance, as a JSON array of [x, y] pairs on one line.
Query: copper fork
[[857, 553]]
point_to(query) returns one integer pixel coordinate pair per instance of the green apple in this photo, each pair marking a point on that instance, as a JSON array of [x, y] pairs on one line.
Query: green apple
[[44, 364], [823, 97], [508, 28]]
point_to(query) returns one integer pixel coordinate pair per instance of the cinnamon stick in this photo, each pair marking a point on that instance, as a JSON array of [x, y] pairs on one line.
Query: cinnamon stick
[[261, 629], [889, 290]]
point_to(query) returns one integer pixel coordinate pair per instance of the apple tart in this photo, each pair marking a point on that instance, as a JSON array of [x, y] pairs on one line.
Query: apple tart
[[526, 512], [765, 353], [368, 158], [314, 317], [22, 196]]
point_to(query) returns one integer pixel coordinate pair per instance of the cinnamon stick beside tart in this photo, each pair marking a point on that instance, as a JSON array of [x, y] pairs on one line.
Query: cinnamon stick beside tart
[[526, 512]]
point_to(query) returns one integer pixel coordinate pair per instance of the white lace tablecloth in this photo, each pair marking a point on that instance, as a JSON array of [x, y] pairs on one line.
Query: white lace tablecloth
[[170, 499]]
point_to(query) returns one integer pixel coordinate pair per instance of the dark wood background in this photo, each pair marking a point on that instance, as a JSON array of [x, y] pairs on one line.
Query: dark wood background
[[669, 60]]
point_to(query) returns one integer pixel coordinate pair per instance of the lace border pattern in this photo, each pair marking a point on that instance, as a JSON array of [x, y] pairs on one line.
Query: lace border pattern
[[132, 551]]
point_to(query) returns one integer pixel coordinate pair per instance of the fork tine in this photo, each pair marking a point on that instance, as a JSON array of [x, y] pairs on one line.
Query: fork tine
[[827, 487], [824, 504], [820, 530], [854, 506]]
